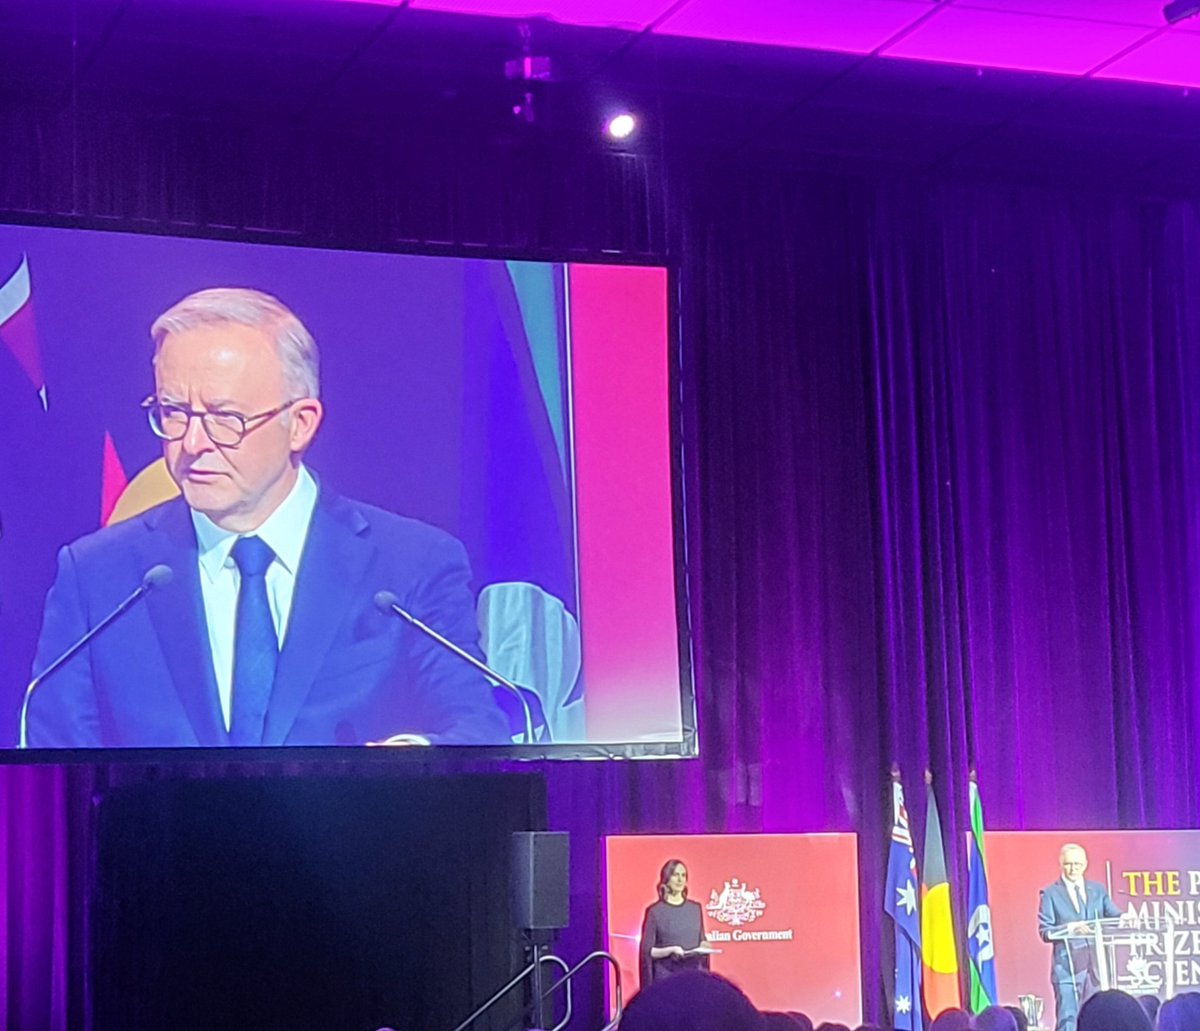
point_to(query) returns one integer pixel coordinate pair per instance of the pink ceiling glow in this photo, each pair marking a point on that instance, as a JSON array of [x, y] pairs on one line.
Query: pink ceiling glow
[[1111, 39]]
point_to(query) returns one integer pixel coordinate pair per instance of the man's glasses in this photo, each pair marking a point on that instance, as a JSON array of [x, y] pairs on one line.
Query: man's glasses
[[225, 429]]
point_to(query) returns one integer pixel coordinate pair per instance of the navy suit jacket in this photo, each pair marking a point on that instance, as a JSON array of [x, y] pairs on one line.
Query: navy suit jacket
[[347, 673], [1056, 910]]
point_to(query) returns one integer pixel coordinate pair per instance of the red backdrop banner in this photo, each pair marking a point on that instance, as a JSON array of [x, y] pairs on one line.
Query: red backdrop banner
[[782, 908], [1149, 873]]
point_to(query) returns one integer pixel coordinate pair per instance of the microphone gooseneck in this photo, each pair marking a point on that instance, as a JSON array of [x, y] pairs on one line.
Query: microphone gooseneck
[[389, 604], [156, 576]]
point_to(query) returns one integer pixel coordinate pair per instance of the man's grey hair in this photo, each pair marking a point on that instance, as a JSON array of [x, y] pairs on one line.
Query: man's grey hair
[[294, 344]]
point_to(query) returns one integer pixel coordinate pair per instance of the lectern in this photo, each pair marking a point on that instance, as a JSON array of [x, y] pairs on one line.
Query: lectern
[[1137, 957]]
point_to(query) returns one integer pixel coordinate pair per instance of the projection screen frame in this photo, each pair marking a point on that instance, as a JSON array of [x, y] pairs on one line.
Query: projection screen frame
[[443, 756]]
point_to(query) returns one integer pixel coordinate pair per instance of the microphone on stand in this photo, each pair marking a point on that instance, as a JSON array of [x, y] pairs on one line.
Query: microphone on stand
[[156, 576], [389, 605]]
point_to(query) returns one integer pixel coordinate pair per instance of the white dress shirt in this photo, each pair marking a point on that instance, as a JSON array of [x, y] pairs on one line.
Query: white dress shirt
[[1075, 895], [285, 531]]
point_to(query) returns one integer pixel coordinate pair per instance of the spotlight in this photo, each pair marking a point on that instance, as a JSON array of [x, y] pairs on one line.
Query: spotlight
[[621, 126], [1177, 10]]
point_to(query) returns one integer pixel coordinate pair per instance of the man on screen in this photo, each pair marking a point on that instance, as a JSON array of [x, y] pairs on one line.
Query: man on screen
[[266, 633], [1067, 912]]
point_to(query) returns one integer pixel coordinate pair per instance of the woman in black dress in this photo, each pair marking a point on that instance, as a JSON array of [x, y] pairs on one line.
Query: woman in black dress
[[672, 929]]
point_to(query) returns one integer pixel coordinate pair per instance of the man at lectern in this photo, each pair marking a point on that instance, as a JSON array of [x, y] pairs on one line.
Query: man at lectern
[[1067, 913], [672, 929], [262, 627]]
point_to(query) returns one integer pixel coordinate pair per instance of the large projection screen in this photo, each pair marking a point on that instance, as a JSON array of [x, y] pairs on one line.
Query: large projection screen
[[498, 450]]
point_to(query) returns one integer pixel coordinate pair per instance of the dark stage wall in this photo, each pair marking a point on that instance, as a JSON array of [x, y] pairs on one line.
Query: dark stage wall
[[310, 903], [940, 470]]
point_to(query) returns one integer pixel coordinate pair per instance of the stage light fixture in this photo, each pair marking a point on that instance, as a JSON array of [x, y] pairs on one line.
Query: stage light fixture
[[1178, 10], [621, 126], [530, 72]]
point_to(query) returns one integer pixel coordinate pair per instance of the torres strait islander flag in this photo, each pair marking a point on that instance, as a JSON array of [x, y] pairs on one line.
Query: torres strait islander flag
[[939, 952], [980, 949], [18, 332]]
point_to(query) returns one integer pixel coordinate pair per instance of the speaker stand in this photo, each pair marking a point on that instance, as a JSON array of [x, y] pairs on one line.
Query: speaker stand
[[537, 945]]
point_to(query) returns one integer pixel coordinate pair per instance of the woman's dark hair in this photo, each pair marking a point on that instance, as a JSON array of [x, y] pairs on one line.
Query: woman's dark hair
[[664, 875], [691, 1001]]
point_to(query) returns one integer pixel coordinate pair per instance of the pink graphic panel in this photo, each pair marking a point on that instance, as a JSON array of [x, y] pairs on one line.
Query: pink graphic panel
[[620, 399], [113, 480]]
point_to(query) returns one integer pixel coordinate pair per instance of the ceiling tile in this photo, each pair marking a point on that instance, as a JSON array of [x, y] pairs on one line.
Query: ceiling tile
[[626, 14], [1173, 59], [856, 28], [1028, 42], [1147, 13]]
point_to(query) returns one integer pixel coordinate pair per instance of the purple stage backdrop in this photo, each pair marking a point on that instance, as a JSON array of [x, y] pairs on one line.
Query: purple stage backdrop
[[941, 469]]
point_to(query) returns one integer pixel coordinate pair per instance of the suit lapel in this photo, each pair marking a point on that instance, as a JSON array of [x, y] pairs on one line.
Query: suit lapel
[[328, 584], [1065, 903], [177, 612]]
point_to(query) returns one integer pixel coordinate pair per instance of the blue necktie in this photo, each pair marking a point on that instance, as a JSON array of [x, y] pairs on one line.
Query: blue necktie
[[255, 647]]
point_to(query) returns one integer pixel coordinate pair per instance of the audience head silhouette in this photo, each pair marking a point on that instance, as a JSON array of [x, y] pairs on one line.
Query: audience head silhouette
[[1018, 1015], [951, 1020], [691, 1001], [1113, 1011], [1181, 1013], [995, 1018]]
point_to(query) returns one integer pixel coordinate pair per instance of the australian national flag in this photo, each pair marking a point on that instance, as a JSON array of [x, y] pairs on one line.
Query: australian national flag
[[900, 903]]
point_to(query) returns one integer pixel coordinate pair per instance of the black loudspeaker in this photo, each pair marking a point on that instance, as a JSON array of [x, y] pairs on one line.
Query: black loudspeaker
[[540, 884]]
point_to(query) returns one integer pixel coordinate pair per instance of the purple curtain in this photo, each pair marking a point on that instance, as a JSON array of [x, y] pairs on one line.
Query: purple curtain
[[940, 473]]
